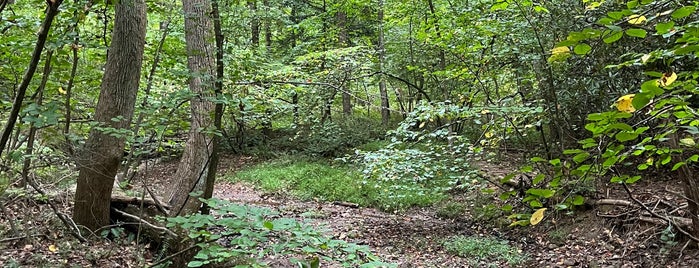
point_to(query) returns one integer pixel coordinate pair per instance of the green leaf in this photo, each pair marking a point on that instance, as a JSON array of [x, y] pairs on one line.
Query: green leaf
[[545, 193], [651, 88], [635, 32], [682, 12], [664, 27], [578, 200], [579, 158], [268, 224], [633, 179], [678, 165], [538, 179], [640, 100], [615, 36], [582, 49], [195, 264], [625, 136]]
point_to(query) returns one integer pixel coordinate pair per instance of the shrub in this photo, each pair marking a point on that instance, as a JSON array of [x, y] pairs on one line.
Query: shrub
[[243, 231]]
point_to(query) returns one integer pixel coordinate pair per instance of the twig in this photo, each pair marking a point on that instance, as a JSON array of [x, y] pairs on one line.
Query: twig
[[150, 225], [669, 221], [12, 239]]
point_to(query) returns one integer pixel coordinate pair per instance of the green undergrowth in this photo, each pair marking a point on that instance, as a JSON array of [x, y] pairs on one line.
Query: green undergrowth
[[307, 179], [486, 251]]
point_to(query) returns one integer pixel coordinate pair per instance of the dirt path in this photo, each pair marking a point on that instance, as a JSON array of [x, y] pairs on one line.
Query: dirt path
[[414, 238]]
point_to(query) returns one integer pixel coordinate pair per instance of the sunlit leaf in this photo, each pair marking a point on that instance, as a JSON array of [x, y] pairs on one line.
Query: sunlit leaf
[[537, 216], [688, 142], [636, 19], [53, 248], [560, 50], [667, 79], [623, 104], [582, 49]]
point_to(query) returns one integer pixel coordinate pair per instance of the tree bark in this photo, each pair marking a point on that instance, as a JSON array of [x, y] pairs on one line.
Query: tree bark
[[385, 113], [99, 161], [196, 159], [51, 12], [254, 24], [343, 39]]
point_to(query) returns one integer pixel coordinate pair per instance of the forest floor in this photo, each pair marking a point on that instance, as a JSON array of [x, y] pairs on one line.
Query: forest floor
[[413, 238]]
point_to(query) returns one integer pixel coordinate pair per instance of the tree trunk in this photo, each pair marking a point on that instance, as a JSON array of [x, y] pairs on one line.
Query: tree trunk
[[99, 161], [193, 168], [36, 55], [32, 127], [343, 39], [254, 24], [385, 113], [218, 109], [268, 28]]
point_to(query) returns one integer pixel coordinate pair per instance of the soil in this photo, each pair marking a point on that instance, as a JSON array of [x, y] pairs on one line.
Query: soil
[[600, 236]]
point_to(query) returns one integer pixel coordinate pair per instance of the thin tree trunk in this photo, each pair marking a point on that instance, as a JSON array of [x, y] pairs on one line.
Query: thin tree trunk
[[51, 12], [32, 128], [385, 113], [99, 160], [254, 24], [196, 159], [343, 39], [267, 26], [69, 93], [218, 110]]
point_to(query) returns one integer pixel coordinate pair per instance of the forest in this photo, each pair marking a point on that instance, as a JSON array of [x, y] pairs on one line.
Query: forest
[[349, 133]]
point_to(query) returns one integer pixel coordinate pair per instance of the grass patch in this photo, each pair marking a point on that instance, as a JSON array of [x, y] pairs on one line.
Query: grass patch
[[308, 179], [482, 250]]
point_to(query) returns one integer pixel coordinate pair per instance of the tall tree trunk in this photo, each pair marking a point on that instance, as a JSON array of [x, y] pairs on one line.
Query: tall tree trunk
[[196, 159], [267, 26], [385, 113], [99, 160], [254, 24], [69, 90], [218, 110], [51, 12], [343, 39]]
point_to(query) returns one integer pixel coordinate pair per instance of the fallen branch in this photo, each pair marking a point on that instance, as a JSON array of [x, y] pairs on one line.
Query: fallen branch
[[656, 215], [346, 204], [615, 202], [67, 221], [144, 222], [138, 201]]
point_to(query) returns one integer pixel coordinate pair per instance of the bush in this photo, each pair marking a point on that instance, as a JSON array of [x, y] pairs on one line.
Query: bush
[[243, 231]]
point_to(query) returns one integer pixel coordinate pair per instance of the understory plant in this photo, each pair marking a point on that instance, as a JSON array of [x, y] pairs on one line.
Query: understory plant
[[243, 236]]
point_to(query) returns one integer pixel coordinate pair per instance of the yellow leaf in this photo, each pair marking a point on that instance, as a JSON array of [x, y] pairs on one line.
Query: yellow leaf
[[636, 19], [687, 142], [53, 248], [649, 161], [645, 58], [623, 104], [485, 111], [421, 124], [62, 91], [489, 134], [560, 50], [537, 216], [667, 79]]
